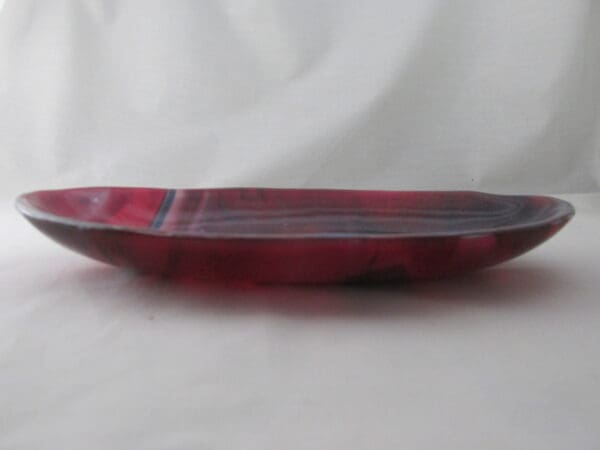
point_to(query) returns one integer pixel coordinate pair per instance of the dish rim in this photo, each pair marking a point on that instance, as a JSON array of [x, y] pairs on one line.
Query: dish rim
[[564, 212]]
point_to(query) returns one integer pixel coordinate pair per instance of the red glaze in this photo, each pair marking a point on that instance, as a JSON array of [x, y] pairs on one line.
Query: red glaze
[[295, 235]]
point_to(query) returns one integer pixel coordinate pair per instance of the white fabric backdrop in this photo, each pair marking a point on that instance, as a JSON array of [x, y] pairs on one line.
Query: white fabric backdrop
[[421, 94], [370, 94]]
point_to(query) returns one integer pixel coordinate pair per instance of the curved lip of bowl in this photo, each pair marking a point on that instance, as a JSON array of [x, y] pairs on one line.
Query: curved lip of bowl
[[564, 211]]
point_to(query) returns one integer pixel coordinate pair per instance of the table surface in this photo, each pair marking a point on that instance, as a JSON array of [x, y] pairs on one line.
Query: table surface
[[95, 357]]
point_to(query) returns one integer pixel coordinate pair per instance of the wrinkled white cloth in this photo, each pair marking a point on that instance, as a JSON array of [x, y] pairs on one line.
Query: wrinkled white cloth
[[424, 94], [382, 94]]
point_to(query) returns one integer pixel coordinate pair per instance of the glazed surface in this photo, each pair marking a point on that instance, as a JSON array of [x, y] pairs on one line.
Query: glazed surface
[[295, 235]]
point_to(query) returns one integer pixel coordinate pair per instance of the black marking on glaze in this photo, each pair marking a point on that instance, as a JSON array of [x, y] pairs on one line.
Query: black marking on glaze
[[164, 209]]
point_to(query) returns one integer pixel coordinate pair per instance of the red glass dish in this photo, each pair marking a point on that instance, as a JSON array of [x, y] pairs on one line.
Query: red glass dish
[[295, 235]]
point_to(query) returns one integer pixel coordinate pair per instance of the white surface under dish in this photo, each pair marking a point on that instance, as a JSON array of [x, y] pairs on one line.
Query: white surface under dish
[[94, 357]]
